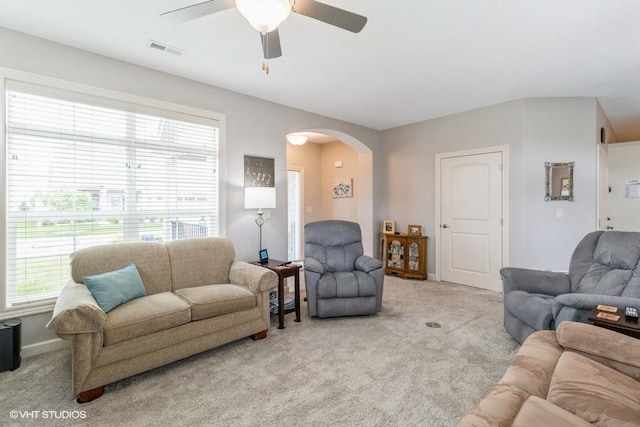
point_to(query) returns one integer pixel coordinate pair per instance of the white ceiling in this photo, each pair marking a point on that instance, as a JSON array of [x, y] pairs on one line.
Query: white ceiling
[[414, 60]]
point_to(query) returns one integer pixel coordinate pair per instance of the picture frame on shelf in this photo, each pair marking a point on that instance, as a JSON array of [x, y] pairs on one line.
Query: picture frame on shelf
[[389, 226], [414, 230]]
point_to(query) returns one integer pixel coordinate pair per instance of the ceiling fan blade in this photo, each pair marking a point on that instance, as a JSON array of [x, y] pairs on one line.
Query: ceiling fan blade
[[331, 15], [198, 10], [271, 44]]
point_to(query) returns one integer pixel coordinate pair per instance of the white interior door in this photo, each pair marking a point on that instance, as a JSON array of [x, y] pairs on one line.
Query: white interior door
[[471, 223]]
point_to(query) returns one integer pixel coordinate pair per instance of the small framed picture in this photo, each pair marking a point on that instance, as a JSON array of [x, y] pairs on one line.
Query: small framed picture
[[264, 255], [414, 230], [389, 226]]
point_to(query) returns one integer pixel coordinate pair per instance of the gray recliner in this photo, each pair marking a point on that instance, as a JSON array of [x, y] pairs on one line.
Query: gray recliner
[[339, 279], [603, 270]]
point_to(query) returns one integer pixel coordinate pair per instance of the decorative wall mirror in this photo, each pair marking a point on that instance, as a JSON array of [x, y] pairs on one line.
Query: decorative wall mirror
[[559, 181]]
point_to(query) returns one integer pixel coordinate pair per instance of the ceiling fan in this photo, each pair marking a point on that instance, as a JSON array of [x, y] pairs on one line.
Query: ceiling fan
[[266, 15]]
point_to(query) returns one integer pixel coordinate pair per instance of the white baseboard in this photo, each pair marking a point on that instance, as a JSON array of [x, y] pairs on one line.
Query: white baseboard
[[44, 347], [431, 277]]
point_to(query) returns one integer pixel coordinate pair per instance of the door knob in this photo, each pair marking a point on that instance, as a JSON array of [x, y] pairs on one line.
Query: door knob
[[444, 226]]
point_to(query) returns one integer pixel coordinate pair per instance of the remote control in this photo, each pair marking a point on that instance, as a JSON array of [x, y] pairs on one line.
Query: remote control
[[631, 313]]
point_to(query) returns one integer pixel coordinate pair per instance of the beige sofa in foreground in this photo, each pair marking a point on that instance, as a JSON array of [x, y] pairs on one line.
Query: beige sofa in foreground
[[197, 298], [579, 375]]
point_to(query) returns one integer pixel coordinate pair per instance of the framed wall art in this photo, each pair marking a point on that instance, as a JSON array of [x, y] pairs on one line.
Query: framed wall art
[[259, 172], [342, 189]]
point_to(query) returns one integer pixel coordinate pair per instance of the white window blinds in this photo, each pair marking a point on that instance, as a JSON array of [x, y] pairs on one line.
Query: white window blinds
[[83, 170]]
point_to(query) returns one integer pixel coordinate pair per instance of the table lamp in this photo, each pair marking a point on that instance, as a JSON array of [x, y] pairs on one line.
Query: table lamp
[[260, 198]]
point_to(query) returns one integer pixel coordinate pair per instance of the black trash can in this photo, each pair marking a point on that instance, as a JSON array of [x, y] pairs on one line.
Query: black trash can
[[10, 344]]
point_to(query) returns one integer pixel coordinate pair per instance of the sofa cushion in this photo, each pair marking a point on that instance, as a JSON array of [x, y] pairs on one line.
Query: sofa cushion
[[539, 412], [532, 367], [603, 280], [200, 262], [113, 288], [346, 285], [533, 309], [506, 405], [618, 250], [594, 392], [145, 315], [215, 300], [151, 259]]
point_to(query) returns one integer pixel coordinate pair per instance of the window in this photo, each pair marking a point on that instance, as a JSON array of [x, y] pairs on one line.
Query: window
[[83, 170]]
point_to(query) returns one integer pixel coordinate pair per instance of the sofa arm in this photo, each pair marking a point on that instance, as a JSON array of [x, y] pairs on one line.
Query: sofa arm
[[257, 279], [535, 281], [367, 264], [587, 302], [602, 345], [313, 265], [76, 312]]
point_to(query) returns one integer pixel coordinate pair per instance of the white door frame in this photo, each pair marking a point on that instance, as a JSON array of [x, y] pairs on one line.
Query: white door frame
[[301, 210], [602, 195], [504, 149]]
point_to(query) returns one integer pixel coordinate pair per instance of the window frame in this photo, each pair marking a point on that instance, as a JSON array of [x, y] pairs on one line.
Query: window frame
[[137, 104]]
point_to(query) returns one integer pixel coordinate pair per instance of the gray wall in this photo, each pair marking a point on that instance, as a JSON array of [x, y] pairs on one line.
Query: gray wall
[[536, 130], [409, 164], [558, 130], [253, 127]]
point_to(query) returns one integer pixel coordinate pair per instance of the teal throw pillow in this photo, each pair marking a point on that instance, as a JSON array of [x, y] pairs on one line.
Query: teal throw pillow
[[113, 288]]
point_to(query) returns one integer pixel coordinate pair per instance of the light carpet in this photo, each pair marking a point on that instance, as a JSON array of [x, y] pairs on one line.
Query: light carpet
[[390, 369]]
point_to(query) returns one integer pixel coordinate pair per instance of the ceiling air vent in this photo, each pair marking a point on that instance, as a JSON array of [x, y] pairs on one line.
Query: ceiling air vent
[[165, 48]]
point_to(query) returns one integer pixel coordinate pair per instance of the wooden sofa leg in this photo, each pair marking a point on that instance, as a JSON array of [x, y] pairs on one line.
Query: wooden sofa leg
[[89, 395], [259, 336]]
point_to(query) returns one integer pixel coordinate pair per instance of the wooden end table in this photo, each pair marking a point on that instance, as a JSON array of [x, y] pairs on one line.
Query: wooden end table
[[283, 271], [622, 325]]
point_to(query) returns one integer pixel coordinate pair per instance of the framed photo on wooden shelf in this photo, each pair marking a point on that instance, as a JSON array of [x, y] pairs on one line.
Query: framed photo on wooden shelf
[[414, 230], [389, 226]]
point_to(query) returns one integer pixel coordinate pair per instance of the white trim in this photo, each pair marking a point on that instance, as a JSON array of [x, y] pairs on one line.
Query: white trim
[[44, 347], [299, 169], [504, 150], [432, 277], [611, 145], [29, 309], [601, 199], [107, 94]]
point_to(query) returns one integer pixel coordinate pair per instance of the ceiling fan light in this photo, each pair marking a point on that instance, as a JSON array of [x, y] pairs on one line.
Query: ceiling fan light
[[264, 15], [297, 138]]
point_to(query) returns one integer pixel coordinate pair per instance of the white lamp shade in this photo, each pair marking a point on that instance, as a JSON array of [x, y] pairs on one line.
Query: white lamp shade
[[264, 15], [260, 198]]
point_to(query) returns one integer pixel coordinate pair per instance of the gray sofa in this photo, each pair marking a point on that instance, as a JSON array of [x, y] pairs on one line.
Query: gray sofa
[[197, 297], [603, 270], [339, 279]]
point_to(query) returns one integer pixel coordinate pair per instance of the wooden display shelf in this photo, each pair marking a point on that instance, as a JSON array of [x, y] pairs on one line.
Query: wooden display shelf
[[404, 255]]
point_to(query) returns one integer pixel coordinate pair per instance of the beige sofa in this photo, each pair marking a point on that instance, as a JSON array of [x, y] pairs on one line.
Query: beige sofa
[[197, 297], [579, 375]]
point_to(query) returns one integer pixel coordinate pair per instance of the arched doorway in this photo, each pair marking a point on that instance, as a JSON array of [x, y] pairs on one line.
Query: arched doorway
[[363, 182]]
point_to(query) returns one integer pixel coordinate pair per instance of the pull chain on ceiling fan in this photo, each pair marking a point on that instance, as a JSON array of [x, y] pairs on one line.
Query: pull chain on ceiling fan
[[266, 15]]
